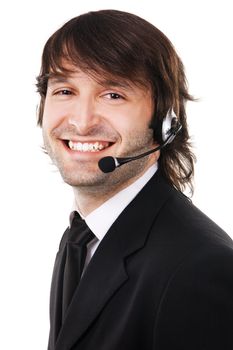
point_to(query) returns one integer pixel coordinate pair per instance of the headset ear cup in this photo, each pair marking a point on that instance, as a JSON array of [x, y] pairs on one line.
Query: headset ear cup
[[166, 130], [171, 127], [168, 124]]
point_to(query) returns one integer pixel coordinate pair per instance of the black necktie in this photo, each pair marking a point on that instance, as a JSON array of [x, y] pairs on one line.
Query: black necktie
[[79, 236]]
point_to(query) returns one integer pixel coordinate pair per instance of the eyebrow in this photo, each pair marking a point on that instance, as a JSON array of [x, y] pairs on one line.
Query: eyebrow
[[57, 78], [115, 83]]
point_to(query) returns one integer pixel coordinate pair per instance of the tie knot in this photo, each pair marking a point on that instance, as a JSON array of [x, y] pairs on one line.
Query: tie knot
[[79, 232]]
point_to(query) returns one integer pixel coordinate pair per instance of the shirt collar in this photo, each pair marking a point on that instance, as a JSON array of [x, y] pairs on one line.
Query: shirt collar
[[102, 218]]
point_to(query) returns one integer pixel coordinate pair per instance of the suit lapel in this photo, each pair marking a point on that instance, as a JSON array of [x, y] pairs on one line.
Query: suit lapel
[[106, 272], [95, 289]]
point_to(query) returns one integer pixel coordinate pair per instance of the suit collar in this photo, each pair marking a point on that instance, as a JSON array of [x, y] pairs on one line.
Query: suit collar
[[106, 272]]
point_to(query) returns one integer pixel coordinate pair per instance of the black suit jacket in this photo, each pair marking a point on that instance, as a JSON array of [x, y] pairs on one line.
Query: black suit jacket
[[162, 278]]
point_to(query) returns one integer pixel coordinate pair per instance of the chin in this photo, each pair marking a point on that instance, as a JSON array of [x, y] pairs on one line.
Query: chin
[[83, 179]]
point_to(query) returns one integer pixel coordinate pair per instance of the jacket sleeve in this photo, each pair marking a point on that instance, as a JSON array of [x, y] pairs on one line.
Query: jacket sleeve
[[196, 311]]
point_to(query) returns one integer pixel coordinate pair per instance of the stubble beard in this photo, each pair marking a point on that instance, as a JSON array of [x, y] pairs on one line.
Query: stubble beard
[[87, 177]]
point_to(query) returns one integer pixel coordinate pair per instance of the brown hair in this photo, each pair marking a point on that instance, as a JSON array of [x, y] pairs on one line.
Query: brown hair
[[119, 44]]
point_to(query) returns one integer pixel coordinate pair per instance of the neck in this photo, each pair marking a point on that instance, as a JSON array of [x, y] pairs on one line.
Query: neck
[[87, 200]]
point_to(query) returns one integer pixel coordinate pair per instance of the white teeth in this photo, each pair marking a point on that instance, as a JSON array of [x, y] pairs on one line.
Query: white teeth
[[78, 146], [87, 147]]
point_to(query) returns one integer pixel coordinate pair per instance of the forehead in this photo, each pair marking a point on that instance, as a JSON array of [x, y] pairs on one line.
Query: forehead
[[54, 78], [69, 72]]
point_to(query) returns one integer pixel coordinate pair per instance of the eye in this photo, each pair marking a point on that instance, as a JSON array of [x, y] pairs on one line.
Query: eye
[[113, 96], [63, 92]]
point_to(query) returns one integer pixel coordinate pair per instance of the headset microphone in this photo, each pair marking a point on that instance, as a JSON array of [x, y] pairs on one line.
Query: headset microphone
[[170, 128]]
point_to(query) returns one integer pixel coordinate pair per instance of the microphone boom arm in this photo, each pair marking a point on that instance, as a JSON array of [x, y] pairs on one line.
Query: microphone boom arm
[[121, 161]]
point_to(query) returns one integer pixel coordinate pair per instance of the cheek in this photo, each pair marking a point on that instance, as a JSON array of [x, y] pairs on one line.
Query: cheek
[[130, 121], [52, 116]]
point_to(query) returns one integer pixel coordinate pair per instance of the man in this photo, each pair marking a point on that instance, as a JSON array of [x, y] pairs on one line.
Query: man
[[158, 274]]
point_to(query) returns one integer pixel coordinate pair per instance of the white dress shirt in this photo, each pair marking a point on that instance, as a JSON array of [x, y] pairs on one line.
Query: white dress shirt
[[101, 219]]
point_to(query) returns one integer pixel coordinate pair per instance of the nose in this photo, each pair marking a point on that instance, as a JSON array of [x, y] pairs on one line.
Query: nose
[[84, 115]]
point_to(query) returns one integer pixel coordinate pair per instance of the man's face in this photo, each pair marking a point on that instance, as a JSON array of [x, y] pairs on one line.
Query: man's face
[[85, 120]]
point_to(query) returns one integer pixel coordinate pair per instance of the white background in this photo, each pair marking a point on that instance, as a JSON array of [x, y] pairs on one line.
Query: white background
[[35, 203]]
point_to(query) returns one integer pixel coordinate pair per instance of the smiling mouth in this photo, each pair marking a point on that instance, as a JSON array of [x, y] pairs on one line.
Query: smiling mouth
[[87, 146]]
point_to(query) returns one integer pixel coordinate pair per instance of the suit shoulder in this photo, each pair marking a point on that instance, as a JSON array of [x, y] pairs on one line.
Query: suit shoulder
[[189, 222]]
